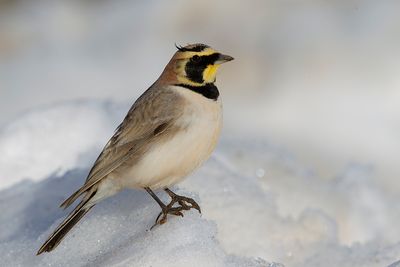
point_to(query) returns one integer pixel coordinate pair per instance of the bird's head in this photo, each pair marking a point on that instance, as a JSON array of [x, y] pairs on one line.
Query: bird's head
[[195, 64]]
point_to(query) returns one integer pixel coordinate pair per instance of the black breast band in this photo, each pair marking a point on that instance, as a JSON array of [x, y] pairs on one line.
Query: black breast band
[[208, 90]]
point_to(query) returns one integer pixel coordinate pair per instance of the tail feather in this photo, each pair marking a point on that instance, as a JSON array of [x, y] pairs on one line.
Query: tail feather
[[71, 199], [60, 232]]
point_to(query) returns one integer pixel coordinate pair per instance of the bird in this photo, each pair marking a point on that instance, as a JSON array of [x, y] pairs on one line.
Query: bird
[[169, 131]]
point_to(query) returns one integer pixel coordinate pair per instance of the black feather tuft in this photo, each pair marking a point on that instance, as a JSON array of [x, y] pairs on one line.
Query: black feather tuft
[[192, 48], [179, 47]]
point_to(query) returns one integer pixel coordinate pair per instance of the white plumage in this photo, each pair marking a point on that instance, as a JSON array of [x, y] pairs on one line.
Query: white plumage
[[168, 163]]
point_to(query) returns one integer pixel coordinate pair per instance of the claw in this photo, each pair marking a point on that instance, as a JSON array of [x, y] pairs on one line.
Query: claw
[[185, 203], [158, 217], [194, 205]]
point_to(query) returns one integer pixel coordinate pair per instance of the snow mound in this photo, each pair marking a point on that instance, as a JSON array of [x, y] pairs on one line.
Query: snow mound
[[251, 222], [259, 204], [54, 139], [115, 233]]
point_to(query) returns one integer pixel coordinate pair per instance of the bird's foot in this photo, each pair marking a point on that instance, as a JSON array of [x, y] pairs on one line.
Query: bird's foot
[[185, 203]]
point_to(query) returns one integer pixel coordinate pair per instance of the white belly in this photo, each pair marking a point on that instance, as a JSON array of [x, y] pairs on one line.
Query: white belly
[[168, 163]]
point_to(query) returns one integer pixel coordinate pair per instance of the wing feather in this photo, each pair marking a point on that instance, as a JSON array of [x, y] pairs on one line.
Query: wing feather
[[150, 117]]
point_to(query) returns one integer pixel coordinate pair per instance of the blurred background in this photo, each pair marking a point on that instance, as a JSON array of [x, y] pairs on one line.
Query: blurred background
[[318, 77]]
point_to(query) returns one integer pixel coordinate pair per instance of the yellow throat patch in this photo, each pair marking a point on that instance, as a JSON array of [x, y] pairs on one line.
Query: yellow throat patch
[[209, 73]]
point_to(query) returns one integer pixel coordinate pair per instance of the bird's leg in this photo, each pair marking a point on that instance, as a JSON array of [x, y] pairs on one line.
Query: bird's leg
[[165, 209], [185, 203], [155, 197]]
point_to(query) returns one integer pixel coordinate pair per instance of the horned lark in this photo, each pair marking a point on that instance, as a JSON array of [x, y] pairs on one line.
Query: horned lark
[[170, 130]]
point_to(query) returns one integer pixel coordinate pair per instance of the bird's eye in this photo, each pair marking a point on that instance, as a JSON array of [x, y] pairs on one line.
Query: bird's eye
[[196, 58]]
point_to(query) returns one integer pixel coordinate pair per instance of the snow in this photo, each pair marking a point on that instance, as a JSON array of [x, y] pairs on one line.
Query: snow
[[54, 139], [261, 207], [117, 234]]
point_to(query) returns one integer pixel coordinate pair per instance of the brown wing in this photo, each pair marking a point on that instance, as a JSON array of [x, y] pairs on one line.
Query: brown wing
[[152, 116]]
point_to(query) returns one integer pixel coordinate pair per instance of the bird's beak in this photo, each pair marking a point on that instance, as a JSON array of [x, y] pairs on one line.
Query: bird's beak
[[223, 58]]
